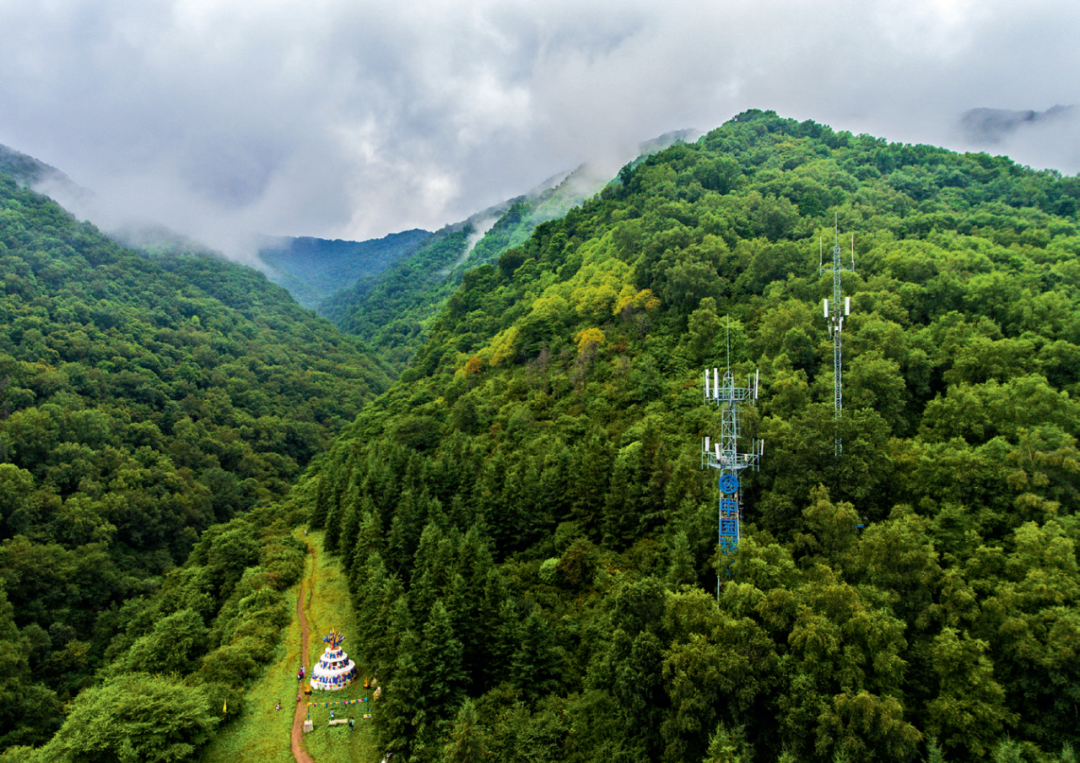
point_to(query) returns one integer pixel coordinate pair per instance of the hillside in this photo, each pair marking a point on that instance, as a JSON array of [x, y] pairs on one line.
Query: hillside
[[313, 269], [26, 170], [141, 401], [531, 541], [394, 310]]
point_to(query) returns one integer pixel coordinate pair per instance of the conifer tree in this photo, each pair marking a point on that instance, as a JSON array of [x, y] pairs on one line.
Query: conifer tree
[[350, 522], [401, 710], [727, 746], [333, 527], [367, 541], [535, 666], [317, 520], [466, 742], [681, 569], [432, 570], [441, 663]]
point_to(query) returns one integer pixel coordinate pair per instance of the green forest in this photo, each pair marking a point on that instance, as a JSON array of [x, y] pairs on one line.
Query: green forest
[[527, 529], [394, 309], [142, 401], [533, 542], [314, 269]]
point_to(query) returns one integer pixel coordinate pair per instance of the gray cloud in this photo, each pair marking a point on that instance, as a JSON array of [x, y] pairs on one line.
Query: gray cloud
[[352, 119]]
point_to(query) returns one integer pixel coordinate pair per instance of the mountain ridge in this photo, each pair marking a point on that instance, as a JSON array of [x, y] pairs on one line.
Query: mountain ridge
[[531, 538], [313, 269], [143, 399]]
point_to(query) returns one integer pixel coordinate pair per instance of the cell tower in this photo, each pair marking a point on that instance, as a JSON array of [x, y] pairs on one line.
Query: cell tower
[[724, 454], [835, 313]]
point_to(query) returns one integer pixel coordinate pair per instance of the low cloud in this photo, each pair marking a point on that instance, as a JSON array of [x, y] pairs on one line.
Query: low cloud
[[350, 119]]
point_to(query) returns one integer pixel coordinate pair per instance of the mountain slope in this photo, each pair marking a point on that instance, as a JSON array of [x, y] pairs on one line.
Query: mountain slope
[[531, 540], [312, 269], [394, 310], [141, 401], [26, 170]]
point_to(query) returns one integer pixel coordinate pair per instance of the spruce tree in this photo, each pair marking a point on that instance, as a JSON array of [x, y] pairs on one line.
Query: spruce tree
[[333, 527], [535, 664], [322, 502], [400, 708], [466, 743], [350, 522], [441, 663], [681, 569]]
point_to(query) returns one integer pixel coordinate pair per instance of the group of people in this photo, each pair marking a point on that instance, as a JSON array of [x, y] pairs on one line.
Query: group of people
[[351, 721]]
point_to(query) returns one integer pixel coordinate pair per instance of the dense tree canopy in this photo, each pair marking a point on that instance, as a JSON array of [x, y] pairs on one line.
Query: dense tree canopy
[[525, 524], [313, 269], [394, 309], [142, 400], [527, 503], [175, 659]]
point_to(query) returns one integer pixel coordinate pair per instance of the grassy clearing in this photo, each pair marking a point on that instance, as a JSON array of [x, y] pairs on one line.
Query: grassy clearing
[[258, 732], [331, 607]]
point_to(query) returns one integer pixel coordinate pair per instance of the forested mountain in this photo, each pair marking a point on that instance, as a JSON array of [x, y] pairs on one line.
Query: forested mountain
[[529, 536], [394, 310], [314, 269], [532, 542], [142, 400], [26, 170], [29, 171]]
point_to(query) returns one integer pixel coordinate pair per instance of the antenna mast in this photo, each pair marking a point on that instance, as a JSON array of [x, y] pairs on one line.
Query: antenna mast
[[724, 455], [835, 314]]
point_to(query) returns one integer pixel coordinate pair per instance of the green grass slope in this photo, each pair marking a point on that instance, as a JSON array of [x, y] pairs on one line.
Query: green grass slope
[[331, 609], [262, 733], [531, 542]]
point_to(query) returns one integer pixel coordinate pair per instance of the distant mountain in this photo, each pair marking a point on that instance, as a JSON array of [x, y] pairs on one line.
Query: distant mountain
[[667, 140], [148, 238], [42, 177], [394, 310], [26, 170], [158, 240], [991, 126], [312, 269]]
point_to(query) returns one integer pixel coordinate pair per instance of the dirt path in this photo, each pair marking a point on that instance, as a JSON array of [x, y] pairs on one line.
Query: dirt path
[[298, 750]]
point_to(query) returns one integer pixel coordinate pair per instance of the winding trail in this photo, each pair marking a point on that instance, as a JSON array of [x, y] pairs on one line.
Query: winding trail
[[298, 750]]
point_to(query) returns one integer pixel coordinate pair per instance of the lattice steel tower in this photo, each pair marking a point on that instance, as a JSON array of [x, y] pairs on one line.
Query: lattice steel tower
[[724, 455], [835, 314]]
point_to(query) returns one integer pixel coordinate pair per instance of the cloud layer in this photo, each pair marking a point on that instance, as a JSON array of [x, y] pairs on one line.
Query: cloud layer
[[347, 118]]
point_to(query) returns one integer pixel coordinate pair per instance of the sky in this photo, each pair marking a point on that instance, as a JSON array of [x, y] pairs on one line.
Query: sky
[[354, 119]]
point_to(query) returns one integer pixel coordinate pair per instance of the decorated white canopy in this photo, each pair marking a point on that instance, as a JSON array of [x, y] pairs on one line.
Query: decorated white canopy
[[334, 670]]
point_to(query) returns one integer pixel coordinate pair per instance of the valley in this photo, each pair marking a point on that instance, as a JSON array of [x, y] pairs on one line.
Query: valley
[[487, 471]]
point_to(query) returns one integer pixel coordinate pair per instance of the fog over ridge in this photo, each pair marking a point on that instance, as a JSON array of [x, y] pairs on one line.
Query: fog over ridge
[[356, 119]]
